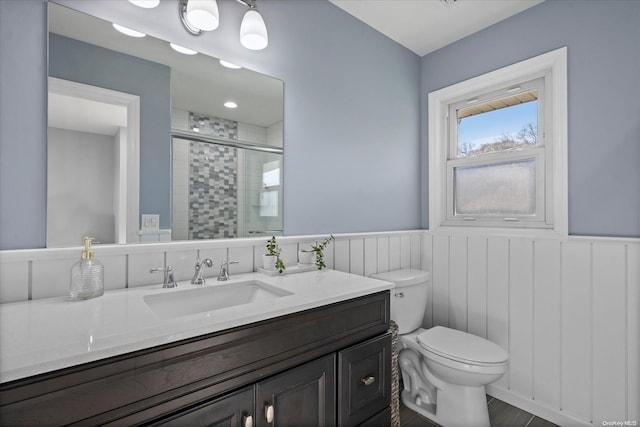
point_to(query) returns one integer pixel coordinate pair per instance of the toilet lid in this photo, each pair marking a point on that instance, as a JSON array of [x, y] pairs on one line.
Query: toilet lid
[[458, 345]]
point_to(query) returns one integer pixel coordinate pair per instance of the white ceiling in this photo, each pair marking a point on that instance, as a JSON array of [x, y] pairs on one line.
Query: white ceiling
[[83, 115], [427, 25]]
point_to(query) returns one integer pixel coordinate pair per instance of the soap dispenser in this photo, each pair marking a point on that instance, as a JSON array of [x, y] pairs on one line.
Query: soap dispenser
[[87, 275]]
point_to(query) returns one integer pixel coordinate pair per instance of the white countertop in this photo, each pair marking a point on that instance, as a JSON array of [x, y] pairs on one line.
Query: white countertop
[[49, 334]]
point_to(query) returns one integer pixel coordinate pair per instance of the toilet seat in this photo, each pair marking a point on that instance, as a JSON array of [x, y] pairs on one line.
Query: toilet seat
[[461, 347]]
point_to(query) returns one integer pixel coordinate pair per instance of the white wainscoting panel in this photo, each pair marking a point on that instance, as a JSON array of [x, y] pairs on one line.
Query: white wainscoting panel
[[45, 273], [546, 318], [566, 311], [633, 335]]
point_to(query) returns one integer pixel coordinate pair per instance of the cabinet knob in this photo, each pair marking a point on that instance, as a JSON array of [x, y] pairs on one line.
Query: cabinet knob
[[268, 413], [368, 380], [247, 421]]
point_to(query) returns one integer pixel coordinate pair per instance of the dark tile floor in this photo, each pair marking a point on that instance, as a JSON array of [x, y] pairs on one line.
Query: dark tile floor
[[501, 414]]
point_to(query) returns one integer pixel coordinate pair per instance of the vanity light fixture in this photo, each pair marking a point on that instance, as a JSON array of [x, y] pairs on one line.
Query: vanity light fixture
[[253, 31], [198, 16], [128, 31], [183, 49], [230, 104], [147, 4]]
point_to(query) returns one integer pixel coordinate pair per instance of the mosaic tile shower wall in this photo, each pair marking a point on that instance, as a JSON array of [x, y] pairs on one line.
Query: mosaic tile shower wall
[[213, 198], [213, 126]]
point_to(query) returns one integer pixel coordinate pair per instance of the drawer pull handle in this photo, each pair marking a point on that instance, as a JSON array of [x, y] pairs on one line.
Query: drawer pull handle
[[399, 294], [368, 380], [247, 421], [268, 413]]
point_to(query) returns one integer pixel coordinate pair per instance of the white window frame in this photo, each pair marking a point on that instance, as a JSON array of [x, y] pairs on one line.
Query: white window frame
[[551, 66]]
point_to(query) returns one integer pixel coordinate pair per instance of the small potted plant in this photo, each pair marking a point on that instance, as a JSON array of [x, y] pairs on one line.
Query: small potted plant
[[319, 251], [271, 260]]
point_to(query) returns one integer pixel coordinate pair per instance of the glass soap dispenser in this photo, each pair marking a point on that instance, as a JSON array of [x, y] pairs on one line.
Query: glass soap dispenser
[[87, 275]]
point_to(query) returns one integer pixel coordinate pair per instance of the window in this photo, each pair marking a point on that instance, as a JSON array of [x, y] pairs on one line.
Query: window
[[497, 149], [269, 196]]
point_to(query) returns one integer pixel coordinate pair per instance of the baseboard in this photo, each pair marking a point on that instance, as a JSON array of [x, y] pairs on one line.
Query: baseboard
[[536, 408]]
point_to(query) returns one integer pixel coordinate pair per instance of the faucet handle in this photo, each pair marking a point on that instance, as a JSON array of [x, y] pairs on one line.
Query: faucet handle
[[224, 270], [169, 281], [226, 263], [168, 269]]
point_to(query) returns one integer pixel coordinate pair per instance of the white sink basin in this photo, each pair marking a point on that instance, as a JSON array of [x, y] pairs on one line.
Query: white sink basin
[[210, 298]]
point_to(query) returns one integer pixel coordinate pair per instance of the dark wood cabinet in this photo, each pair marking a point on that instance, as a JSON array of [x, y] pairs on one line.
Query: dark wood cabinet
[[303, 396], [234, 410], [364, 380], [294, 362]]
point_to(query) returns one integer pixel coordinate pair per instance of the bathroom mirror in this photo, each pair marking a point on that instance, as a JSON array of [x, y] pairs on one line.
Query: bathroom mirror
[[141, 147]]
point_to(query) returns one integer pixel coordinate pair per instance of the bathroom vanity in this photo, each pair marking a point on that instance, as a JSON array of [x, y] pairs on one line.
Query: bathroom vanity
[[319, 354]]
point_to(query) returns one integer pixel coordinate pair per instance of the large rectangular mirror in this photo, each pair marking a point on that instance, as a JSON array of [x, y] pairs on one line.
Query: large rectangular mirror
[[142, 148]]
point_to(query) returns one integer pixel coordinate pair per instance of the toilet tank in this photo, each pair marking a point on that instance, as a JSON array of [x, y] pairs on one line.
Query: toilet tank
[[408, 298]]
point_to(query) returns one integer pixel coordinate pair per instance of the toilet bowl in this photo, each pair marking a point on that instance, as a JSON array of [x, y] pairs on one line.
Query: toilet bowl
[[444, 370]]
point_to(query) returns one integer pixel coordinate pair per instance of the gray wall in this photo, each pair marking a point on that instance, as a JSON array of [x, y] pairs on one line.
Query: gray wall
[[23, 124], [354, 144], [85, 63], [604, 99], [351, 125]]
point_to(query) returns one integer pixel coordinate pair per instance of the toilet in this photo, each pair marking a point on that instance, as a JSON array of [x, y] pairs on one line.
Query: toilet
[[444, 370]]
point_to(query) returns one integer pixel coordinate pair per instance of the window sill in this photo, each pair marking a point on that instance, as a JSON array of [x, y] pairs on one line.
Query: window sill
[[509, 232]]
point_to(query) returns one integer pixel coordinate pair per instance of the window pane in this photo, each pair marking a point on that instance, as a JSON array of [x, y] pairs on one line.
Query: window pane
[[269, 203], [502, 189], [498, 125], [271, 173]]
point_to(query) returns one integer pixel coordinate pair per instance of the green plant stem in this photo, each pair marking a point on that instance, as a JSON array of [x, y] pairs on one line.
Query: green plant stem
[[319, 251]]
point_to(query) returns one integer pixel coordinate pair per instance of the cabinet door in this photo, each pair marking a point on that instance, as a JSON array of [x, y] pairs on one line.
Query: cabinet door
[[364, 380], [381, 419], [234, 410], [300, 397]]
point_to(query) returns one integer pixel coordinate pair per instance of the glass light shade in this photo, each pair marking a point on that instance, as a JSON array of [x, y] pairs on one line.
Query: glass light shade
[[203, 14], [147, 4], [128, 31], [253, 32]]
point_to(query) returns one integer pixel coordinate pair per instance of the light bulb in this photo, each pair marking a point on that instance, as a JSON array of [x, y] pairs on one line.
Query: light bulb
[[253, 32], [203, 14], [230, 104]]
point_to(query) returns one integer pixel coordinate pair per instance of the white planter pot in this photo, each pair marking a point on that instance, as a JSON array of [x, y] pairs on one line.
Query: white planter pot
[[269, 262], [306, 256]]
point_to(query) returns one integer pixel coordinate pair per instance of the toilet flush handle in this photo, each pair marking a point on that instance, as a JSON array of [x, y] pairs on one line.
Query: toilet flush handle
[[399, 294]]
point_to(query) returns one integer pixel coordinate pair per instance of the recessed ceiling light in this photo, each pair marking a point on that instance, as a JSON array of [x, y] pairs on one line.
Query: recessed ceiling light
[[147, 4], [230, 104], [229, 64], [182, 49], [128, 31]]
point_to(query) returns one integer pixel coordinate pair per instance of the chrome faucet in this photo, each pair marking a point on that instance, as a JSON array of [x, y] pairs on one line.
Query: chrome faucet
[[197, 276], [224, 270], [169, 281]]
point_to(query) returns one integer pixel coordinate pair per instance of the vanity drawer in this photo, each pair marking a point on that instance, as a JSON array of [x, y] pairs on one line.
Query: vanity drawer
[[364, 386]]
